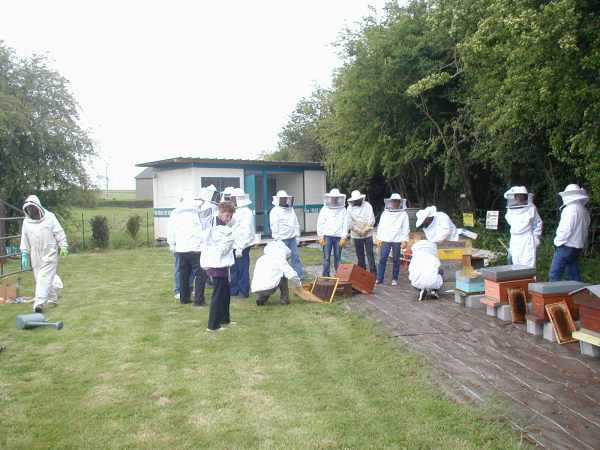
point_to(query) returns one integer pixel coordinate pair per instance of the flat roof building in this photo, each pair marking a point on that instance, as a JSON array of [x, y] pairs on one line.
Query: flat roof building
[[175, 178]]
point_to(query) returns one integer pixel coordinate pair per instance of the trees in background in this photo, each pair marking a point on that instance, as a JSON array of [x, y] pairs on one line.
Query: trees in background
[[42, 146], [447, 97]]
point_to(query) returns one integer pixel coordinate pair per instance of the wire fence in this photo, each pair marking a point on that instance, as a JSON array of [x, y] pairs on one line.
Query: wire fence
[[80, 234]]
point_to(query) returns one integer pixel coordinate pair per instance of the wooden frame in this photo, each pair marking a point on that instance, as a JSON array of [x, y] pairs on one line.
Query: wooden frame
[[328, 298], [518, 304], [562, 321]]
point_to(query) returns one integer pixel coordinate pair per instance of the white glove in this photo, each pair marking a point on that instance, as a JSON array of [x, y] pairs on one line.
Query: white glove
[[238, 253]]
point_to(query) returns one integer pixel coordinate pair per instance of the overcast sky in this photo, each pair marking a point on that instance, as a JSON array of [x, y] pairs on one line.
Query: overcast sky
[[158, 79]]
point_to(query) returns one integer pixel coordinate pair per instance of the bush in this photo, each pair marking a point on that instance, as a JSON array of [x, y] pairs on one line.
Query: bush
[[133, 226], [100, 232]]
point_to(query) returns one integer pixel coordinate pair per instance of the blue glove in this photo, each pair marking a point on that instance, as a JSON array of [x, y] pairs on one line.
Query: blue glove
[[25, 261]]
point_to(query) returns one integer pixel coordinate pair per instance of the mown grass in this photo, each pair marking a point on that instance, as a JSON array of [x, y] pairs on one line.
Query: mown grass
[[134, 369]]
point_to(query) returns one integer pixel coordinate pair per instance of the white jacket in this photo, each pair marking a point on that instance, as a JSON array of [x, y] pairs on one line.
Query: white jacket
[[525, 232], [441, 229], [332, 222], [361, 218], [184, 229], [424, 267], [217, 247], [42, 238], [244, 230], [284, 223], [208, 214], [393, 226], [271, 266], [574, 225]]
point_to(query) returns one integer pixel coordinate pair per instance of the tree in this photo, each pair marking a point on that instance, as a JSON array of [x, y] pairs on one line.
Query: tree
[[42, 146]]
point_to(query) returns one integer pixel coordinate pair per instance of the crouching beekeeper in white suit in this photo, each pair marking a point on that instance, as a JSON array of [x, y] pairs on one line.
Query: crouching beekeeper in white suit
[[424, 269], [272, 271], [41, 238]]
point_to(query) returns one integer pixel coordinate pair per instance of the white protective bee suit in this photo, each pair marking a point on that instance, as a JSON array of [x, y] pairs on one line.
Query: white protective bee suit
[[244, 228], [42, 239], [272, 266], [332, 222], [440, 229], [424, 267], [184, 233], [525, 229], [361, 220], [393, 225], [282, 220], [217, 247]]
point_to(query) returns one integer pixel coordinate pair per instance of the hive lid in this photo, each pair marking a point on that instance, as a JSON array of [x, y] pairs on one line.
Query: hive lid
[[594, 290], [508, 272], [556, 287]]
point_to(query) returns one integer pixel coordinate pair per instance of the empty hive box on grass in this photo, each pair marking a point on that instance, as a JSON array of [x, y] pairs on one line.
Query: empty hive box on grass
[[550, 292], [499, 279], [587, 300], [362, 280]]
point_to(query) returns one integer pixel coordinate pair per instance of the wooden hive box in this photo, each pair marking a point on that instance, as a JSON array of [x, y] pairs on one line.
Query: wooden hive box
[[587, 300], [499, 289], [547, 293], [362, 280], [470, 283]]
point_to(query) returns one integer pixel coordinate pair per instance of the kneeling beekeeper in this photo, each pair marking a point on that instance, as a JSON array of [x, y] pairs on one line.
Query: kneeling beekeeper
[[424, 269], [41, 237], [272, 271]]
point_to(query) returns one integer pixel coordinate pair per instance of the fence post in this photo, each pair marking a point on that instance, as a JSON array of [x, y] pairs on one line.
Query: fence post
[[147, 228], [82, 232]]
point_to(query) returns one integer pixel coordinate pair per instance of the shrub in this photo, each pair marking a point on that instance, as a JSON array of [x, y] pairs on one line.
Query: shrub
[[133, 226], [100, 232]]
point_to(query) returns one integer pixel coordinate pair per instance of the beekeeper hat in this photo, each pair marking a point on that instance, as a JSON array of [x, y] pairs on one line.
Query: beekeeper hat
[[424, 214], [573, 193], [241, 198], [335, 193], [280, 194], [515, 190], [395, 196], [356, 195]]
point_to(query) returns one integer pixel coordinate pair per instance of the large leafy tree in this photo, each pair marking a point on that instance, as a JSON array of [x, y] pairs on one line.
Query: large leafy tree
[[42, 146]]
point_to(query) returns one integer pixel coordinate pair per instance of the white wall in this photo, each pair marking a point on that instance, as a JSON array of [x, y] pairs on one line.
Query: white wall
[[171, 185], [292, 184]]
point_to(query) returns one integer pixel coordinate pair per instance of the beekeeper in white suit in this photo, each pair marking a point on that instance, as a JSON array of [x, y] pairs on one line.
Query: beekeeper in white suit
[[361, 221], [393, 233], [332, 228], [437, 226], [571, 234], [285, 227], [41, 238], [525, 226], [210, 198], [424, 269], [271, 272], [244, 232]]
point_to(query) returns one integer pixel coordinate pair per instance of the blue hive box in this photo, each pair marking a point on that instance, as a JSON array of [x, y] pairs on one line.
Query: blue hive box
[[470, 284]]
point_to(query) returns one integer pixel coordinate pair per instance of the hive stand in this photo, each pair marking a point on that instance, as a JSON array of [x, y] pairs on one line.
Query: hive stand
[[589, 342]]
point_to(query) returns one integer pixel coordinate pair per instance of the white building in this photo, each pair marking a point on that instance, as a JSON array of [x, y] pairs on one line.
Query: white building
[[184, 177]]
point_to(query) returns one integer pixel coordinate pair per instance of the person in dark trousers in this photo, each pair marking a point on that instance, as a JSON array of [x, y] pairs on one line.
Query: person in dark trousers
[[244, 232], [217, 257], [571, 234], [361, 221], [185, 240], [272, 272]]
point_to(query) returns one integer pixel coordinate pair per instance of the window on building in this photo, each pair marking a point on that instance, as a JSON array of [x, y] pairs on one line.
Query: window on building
[[221, 182]]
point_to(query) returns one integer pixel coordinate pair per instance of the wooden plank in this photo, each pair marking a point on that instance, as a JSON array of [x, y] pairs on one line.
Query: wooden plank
[[587, 336]]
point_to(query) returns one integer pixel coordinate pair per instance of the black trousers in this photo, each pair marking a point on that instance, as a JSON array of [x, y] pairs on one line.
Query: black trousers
[[190, 263], [263, 296], [362, 246], [219, 304]]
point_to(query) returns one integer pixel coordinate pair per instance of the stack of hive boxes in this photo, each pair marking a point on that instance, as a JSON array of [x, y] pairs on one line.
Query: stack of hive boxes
[[497, 281]]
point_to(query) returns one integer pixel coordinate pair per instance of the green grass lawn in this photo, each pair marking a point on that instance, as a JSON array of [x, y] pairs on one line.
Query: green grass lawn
[[134, 369]]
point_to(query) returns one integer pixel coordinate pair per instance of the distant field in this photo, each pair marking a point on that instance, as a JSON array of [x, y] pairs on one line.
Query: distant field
[[117, 195]]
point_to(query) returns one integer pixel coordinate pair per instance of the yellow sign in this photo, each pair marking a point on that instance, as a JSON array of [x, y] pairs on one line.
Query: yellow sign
[[468, 220]]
